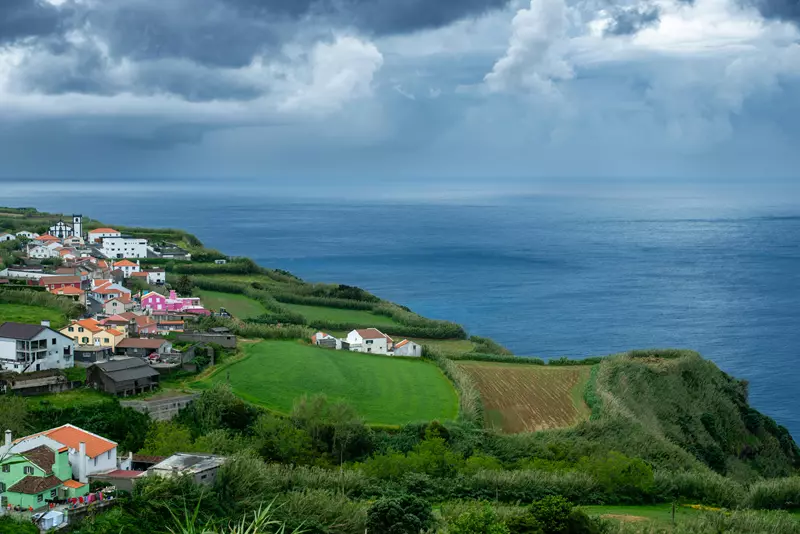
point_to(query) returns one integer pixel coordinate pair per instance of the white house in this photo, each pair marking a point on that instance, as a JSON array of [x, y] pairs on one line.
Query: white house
[[156, 276], [97, 235], [29, 347], [7, 237], [369, 340], [124, 247], [326, 340], [127, 267], [88, 453], [29, 235], [408, 348], [43, 252], [73, 241]]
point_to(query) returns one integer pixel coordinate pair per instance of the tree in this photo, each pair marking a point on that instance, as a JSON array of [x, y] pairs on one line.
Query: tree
[[406, 514], [166, 438], [13, 415], [552, 513], [279, 441], [184, 285]]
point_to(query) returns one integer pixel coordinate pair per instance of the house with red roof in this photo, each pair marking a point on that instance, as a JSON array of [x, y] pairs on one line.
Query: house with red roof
[[370, 340], [88, 453], [97, 235], [127, 267]]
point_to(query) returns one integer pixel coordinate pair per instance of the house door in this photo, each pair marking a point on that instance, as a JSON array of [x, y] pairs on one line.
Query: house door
[[38, 367], [3, 502]]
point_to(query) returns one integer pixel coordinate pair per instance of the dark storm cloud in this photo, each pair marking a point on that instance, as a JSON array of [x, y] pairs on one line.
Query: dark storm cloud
[[631, 20], [230, 32], [27, 18], [787, 10]]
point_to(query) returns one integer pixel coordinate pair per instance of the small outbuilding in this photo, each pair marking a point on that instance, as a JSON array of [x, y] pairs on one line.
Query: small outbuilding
[[201, 467], [408, 348], [125, 376], [143, 347]]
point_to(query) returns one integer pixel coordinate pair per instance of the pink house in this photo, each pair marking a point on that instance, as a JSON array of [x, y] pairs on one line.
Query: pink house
[[158, 303]]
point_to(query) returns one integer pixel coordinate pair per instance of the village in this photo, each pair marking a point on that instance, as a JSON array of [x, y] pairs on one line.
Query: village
[[126, 342]]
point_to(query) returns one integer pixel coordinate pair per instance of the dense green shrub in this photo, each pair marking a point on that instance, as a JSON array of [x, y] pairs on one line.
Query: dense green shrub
[[13, 525], [406, 514], [552, 513], [696, 487], [483, 522], [619, 475], [470, 404], [775, 494], [67, 306]]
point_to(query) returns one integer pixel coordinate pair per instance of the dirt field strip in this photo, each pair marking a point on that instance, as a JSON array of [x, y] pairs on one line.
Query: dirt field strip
[[528, 398]]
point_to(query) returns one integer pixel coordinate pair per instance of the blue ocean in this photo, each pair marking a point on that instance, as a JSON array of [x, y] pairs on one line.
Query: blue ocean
[[587, 268]]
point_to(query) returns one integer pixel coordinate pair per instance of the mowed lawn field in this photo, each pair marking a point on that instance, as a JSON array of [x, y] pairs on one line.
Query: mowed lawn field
[[384, 390], [341, 315], [528, 398], [239, 306], [20, 313]]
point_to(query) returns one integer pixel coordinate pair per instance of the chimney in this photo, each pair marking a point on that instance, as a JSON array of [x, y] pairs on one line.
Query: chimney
[[83, 463], [8, 440], [46, 323], [172, 294]]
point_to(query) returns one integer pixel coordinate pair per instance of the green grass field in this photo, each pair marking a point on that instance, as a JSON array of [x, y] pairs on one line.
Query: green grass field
[[340, 315], [239, 306], [69, 399], [383, 390], [661, 514], [19, 313]]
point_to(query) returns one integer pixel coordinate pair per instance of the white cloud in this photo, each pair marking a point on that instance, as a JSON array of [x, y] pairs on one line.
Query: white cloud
[[337, 72], [535, 56]]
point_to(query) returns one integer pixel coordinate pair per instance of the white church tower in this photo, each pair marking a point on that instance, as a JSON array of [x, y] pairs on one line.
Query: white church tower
[[77, 225]]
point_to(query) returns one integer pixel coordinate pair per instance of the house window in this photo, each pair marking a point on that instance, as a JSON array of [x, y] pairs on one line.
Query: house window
[[109, 455], [40, 497], [369, 342], [95, 461], [54, 341], [85, 340], [2, 487], [71, 329], [52, 494], [28, 470], [80, 329], [6, 469]]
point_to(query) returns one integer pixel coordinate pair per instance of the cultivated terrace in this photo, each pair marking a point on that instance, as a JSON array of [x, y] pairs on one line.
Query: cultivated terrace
[[152, 385]]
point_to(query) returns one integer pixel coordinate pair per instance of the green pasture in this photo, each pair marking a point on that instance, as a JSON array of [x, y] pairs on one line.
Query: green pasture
[[341, 315], [384, 390], [239, 306], [20, 313]]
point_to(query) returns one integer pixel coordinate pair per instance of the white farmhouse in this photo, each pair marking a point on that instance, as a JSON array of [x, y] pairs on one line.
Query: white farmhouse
[[29, 235], [29, 347], [156, 276], [408, 348], [369, 340], [124, 246], [7, 237]]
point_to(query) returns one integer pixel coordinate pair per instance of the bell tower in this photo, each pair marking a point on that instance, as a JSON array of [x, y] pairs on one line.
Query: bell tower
[[77, 225]]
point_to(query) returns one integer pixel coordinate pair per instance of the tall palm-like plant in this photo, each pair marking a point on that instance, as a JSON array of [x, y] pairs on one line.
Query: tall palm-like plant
[[261, 522]]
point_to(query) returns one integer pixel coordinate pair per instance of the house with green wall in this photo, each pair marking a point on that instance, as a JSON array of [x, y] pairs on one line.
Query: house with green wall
[[31, 478]]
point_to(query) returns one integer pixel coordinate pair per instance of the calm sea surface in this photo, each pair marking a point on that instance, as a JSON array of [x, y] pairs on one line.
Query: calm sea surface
[[580, 273]]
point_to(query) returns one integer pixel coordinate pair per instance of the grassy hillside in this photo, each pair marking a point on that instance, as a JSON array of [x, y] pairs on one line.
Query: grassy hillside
[[238, 305], [689, 401], [383, 390], [21, 313]]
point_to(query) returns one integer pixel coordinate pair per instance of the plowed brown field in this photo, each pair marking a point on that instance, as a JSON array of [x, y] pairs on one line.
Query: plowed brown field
[[526, 398]]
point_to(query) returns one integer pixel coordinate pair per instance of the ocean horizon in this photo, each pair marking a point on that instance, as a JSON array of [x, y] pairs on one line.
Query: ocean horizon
[[556, 270]]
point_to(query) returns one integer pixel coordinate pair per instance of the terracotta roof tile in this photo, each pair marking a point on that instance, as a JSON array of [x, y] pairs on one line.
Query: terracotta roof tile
[[74, 484], [72, 436], [113, 332], [402, 343], [32, 485], [103, 231], [42, 456], [124, 263], [372, 333]]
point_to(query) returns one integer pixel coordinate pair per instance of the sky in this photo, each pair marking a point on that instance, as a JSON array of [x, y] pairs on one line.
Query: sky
[[363, 91]]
